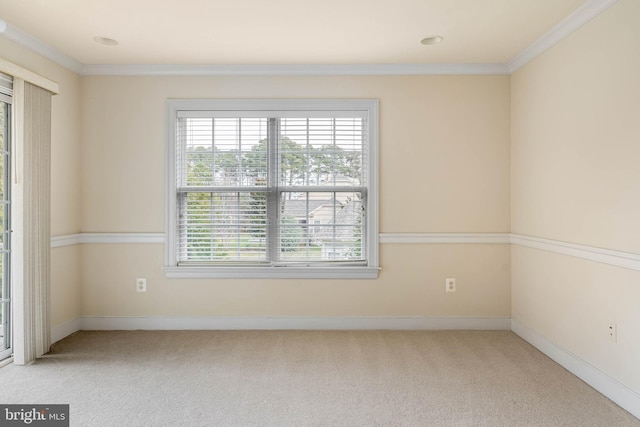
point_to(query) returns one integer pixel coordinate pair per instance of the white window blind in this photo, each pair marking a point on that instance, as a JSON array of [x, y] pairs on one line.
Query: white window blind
[[271, 187], [222, 187]]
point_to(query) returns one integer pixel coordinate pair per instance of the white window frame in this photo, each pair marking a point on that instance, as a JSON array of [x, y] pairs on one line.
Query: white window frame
[[311, 271]]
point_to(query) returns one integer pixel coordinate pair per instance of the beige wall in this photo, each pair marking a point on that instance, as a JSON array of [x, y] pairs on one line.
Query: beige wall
[[444, 167], [444, 137], [411, 284], [65, 177], [576, 178], [65, 284], [65, 136]]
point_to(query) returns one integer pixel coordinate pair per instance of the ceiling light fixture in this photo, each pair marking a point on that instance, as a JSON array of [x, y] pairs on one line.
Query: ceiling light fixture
[[432, 40], [106, 41]]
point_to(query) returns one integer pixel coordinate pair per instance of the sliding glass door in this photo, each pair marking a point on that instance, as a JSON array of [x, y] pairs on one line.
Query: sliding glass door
[[5, 210]]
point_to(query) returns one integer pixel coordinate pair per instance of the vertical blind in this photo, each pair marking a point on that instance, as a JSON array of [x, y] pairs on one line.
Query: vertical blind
[[30, 209], [32, 231]]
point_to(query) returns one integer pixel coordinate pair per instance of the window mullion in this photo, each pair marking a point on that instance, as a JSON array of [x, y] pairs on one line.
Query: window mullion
[[333, 151], [213, 152], [273, 196]]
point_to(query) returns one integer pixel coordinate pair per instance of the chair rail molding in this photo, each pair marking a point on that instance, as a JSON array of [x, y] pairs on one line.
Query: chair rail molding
[[591, 253]]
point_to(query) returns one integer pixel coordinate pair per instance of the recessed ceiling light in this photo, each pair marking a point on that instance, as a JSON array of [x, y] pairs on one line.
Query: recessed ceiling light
[[432, 40], [105, 41]]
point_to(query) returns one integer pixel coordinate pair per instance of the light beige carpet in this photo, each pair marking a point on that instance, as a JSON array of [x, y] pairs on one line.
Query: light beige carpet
[[307, 378]]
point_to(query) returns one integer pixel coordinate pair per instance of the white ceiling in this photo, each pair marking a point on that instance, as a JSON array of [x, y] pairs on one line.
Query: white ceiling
[[287, 31]]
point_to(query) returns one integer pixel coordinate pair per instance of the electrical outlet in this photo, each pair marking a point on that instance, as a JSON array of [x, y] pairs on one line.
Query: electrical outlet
[[450, 284], [141, 284], [613, 332]]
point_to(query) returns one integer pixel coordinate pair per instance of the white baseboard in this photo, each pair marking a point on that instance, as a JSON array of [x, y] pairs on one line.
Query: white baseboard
[[297, 323], [614, 390], [66, 329]]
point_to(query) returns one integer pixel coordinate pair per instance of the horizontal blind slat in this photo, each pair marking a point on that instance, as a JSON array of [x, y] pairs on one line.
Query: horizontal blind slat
[[222, 172]]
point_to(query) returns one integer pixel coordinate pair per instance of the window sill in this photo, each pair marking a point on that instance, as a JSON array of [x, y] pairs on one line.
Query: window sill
[[187, 272]]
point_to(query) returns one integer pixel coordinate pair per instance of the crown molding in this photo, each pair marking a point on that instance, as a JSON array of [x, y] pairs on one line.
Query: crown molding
[[291, 69], [38, 46], [568, 25], [575, 20], [41, 48]]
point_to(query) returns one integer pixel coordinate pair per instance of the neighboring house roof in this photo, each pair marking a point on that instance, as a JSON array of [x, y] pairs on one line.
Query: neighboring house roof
[[299, 208], [346, 216]]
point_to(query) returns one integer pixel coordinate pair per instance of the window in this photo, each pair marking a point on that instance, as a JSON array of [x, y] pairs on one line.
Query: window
[[6, 92], [272, 189]]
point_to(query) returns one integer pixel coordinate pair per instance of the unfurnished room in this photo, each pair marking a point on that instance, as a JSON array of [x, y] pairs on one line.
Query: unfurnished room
[[304, 213]]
